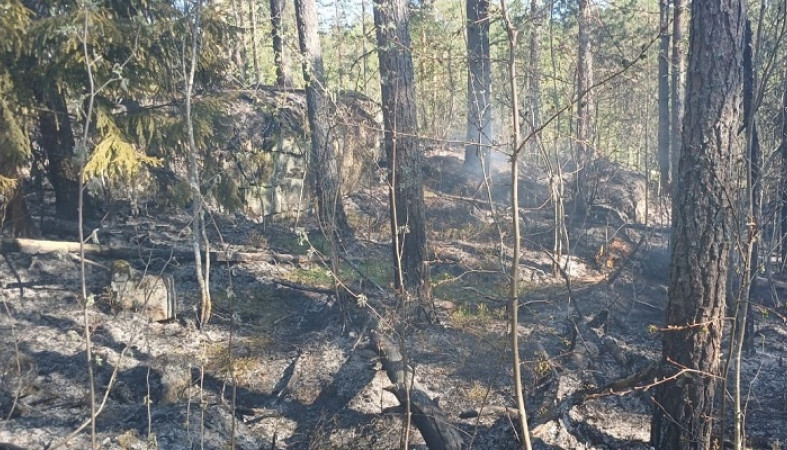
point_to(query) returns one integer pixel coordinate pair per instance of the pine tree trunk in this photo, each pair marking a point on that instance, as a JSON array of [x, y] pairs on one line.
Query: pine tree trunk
[[479, 85], [585, 153], [364, 51], [783, 153], [408, 220], [239, 47], [283, 75], [754, 184], [323, 172], [684, 406], [534, 73], [254, 56], [664, 91], [678, 86]]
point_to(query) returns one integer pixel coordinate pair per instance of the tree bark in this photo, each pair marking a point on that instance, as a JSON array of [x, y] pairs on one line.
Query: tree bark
[[684, 407], [783, 153], [322, 169], [239, 48], [198, 233], [664, 91], [405, 177], [479, 85], [754, 157], [57, 140], [585, 153], [253, 24], [283, 75], [534, 73], [678, 86]]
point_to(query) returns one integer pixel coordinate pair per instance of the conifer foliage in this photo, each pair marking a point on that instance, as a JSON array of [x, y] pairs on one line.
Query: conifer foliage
[[136, 57]]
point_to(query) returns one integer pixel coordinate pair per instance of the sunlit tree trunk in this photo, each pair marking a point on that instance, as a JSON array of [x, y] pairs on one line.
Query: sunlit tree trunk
[[534, 72], [339, 42], [239, 48], [253, 25], [283, 75], [664, 92], [364, 69], [479, 85], [783, 153], [408, 221], [684, 406], [585, 153], [198, 232], [677, 85], [323, 172]]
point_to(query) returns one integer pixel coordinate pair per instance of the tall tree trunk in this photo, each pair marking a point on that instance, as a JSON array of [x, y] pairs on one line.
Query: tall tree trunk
[[664, 91], [283, 75], [479, 85], [783, 153], [198, 232], [585, 153], [408, 220], [239, 48], [363, 47], [678, 86], [684, 406], [253, 24], [744, 273], [337, 16], [57, 140], [534, 73], [751, 90], [323, 172]]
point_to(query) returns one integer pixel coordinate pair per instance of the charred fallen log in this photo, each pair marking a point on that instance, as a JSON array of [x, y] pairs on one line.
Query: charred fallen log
[[37, 247], [427, 416]]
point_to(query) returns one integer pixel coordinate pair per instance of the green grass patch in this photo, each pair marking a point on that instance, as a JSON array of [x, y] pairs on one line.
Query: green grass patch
[[378, 270], [479, 314], [262, 306]]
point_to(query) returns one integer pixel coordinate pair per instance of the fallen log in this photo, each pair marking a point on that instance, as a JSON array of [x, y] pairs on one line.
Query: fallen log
[[427, 416], [38, 246]]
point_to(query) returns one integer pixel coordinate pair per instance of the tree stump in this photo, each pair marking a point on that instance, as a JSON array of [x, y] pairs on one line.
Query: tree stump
[[152, 294]]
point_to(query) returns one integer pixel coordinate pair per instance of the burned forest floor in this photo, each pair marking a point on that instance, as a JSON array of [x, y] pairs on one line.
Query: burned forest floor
[[286, 363]]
